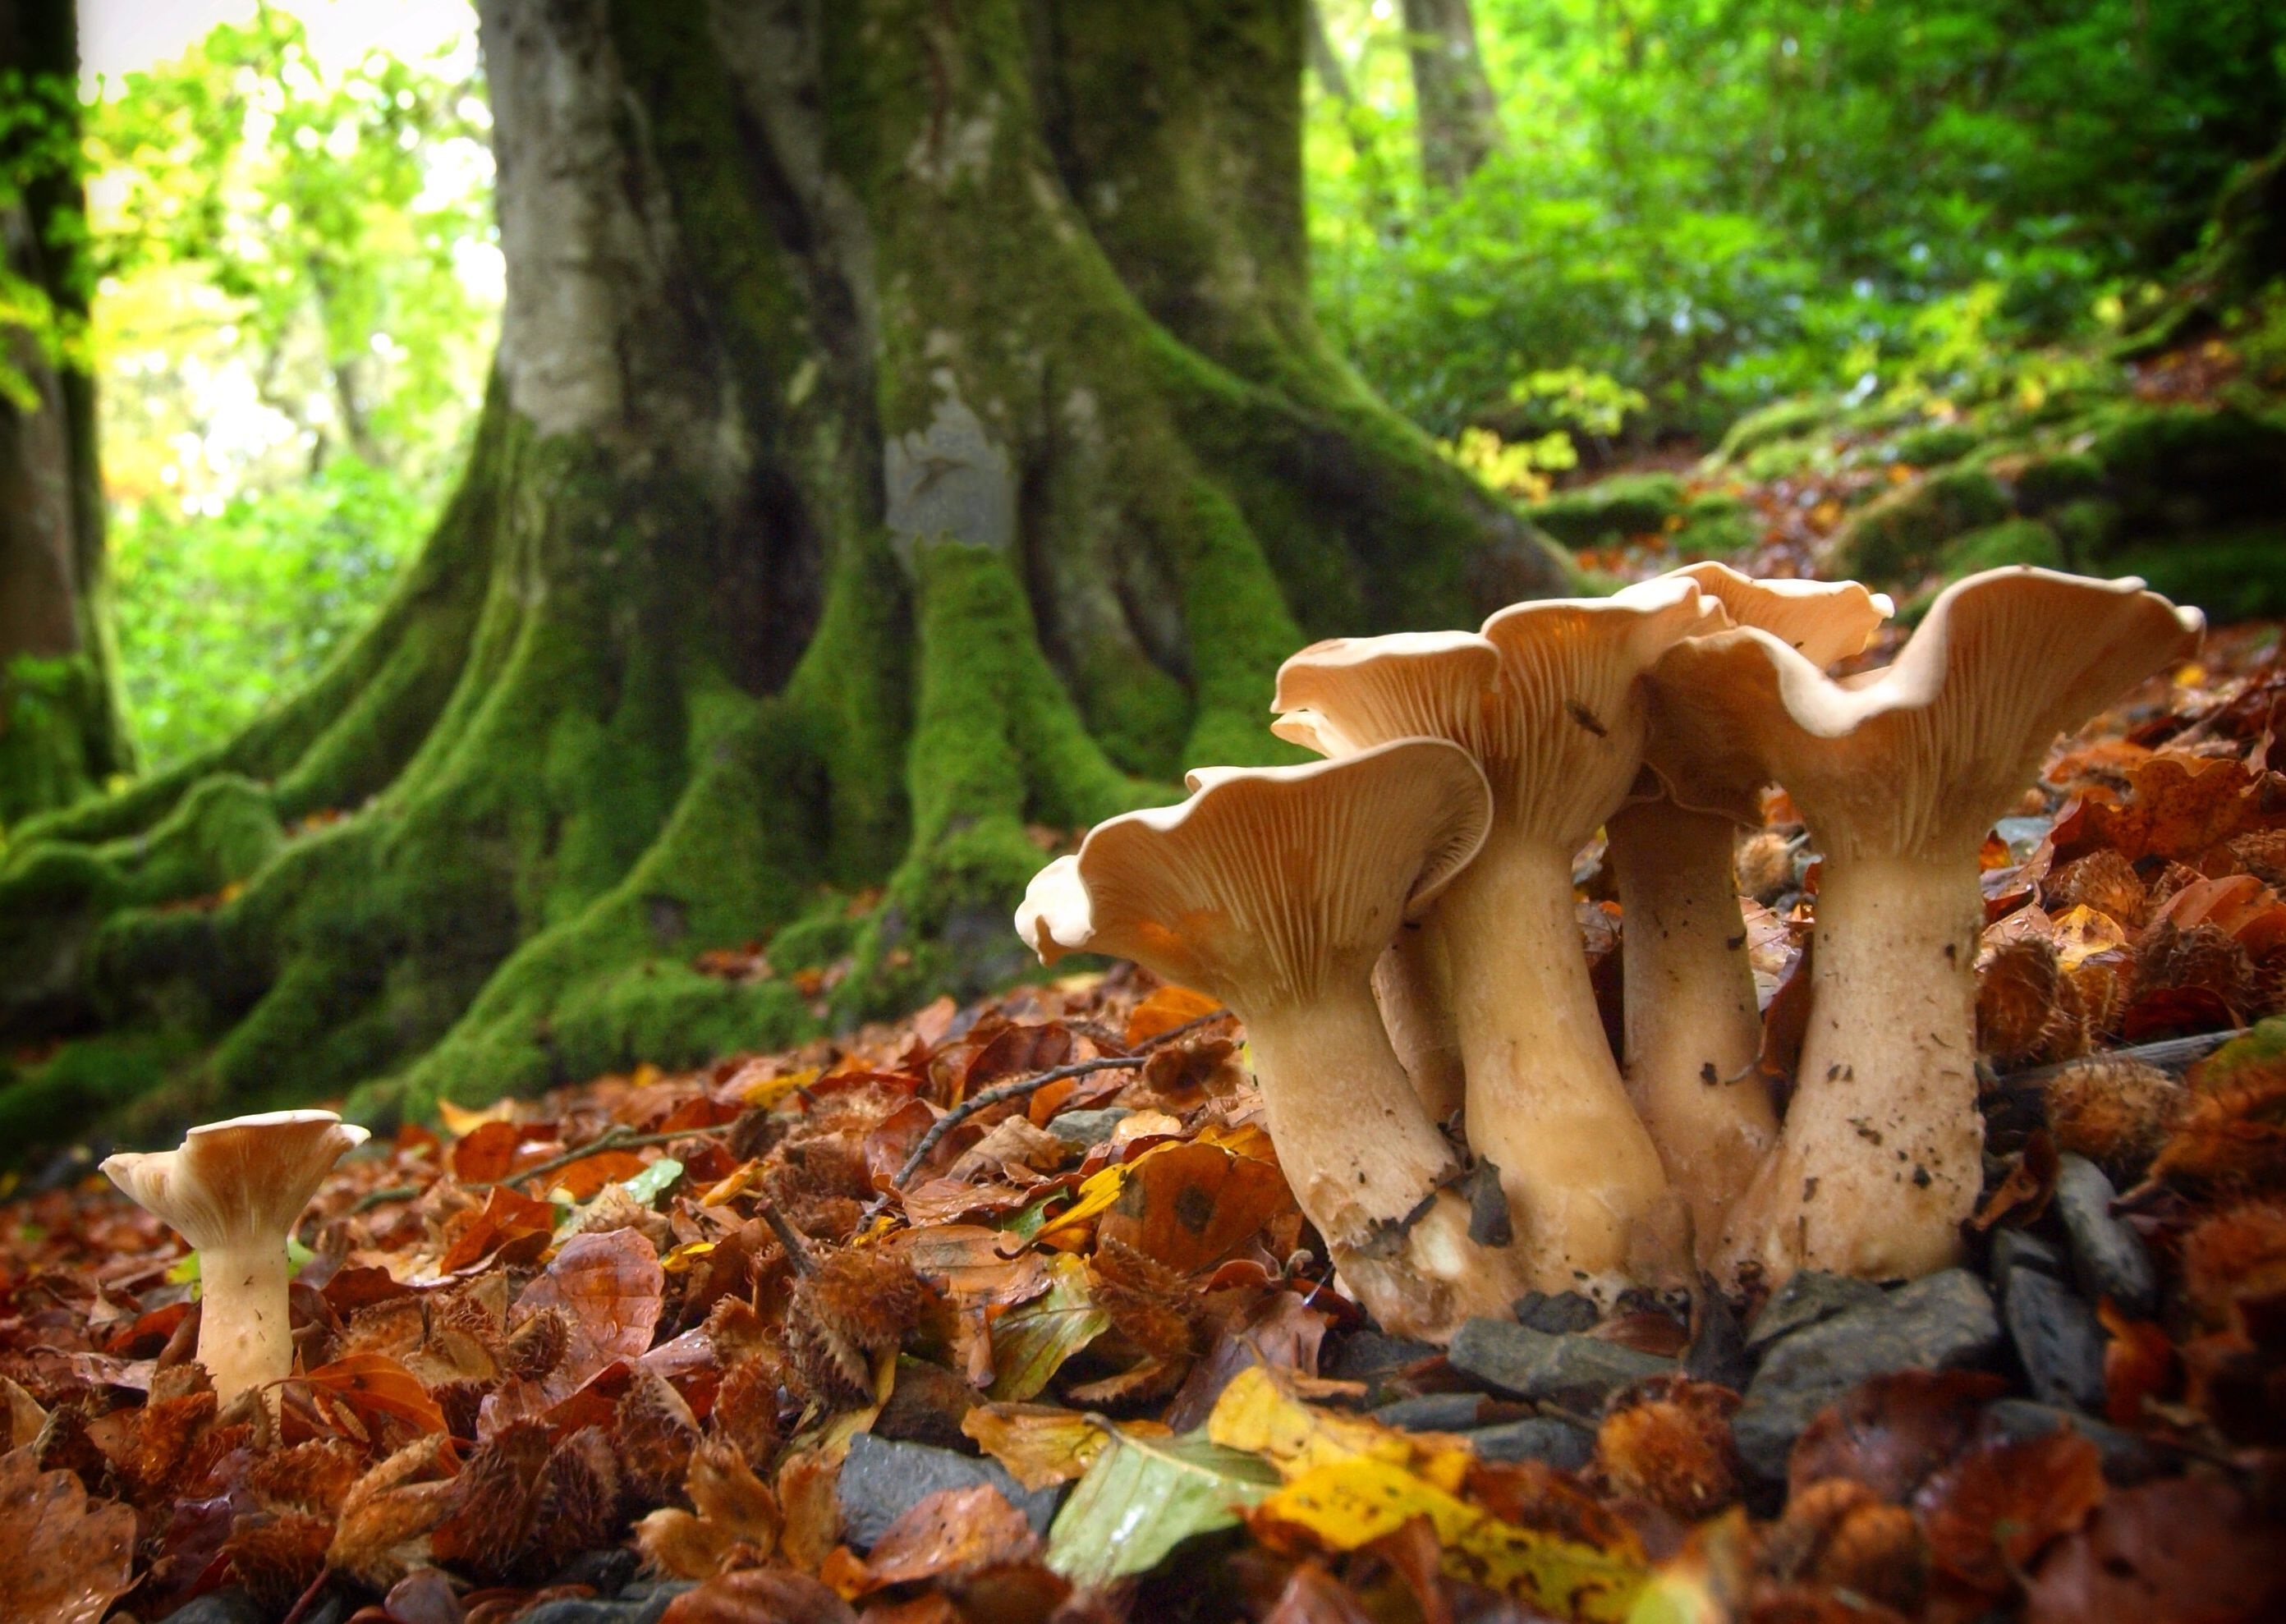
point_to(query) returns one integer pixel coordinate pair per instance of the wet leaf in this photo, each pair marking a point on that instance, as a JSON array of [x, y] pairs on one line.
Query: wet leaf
[[376, 1385], [71, 1556], [1189, 1206], [1143, 1497], [1043, 1445], [1990, 1513], [1030, 1343], [608, 1286]]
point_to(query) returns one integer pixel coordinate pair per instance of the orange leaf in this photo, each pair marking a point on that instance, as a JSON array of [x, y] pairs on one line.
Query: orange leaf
[[492, 1150], [374, 1384], [507, 1217], [589, 1174], [609, 1285], [1990, 1513], [1189, 1206], [1165, 1010]]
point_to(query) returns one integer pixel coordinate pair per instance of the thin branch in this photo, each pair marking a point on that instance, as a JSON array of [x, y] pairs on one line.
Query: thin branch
[[2168, 1054], [616, 1138], [381, 1197], [1024, 1086], [797, 1249]]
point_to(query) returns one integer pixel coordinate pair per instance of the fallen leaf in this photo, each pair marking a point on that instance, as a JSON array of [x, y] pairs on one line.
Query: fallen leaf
[[608, 1286], [1144, 1496], [72, 1557], [1165, 1010], [1190, 1205], [507, 1218], [2187, 1550], [1990, 1513], [759, 1596], [952, 1530], [1030, 1343], [1043, 1445], [1891, 1432], [376, 1385]]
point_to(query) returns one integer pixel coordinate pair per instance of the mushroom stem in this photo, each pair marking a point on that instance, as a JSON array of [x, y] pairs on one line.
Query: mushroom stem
[[1546, 1104], [1693, 1027], [1361, 1170], [246, 1339], [1880, 1158], [1414, 987]]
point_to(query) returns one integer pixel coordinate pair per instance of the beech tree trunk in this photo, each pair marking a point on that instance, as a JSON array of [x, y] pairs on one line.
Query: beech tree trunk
[[59, 726], [909, 443], [1459, 117]]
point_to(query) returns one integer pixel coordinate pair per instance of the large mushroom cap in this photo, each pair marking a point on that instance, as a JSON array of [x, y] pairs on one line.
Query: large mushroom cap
[[1712, 769], [231, 1181], [1939, 744], [1347, 694], [1265, 878]]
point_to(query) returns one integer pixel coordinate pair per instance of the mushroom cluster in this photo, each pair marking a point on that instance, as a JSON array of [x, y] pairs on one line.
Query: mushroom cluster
[[1395, 924]]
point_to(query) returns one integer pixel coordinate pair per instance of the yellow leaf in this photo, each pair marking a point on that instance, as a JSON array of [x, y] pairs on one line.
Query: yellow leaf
[[2082, 932], [1259, 1413], [1044, 1444], [461, 1122], [770, 1091], [683, 1257], [1347, 1504], [1096, 1195], [736, 1182]]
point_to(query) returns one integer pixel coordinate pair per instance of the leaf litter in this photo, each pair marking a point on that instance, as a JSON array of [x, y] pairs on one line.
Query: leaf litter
[[1045, 1237]]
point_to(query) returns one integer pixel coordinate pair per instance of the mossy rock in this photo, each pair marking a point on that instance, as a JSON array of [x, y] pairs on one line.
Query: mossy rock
[[1716, 526], [1935, 445], [2090, 529], [2179, 467], [2011, 542], [83, 1083], [1901, 535], [1627, 505], [2236, 574], [1782, 420], [1783, 459], [2052, 479]]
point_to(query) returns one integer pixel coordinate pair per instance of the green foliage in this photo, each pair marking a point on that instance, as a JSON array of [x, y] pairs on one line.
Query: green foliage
[[297, 300], [1718, 203], [218, 615]]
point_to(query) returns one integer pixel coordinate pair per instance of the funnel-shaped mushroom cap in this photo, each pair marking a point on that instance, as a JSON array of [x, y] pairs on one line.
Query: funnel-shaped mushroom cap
[[1347, 694], [1556, 729], [1937, 745], [1823, 621], [236, 1181], [1266, 879]]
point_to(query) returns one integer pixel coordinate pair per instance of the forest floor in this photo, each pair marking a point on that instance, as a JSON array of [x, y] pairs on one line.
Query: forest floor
[[1006, 1313]]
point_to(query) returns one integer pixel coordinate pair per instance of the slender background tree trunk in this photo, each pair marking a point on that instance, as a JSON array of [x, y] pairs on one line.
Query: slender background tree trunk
[[909, 443], [1459, 117], [61, 733]]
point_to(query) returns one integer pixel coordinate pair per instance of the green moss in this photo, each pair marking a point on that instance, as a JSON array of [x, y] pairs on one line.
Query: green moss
[[68, 1096], [1782, 420], [2236, 574], [1936, 445], [1784, 459], [2089, 528], [2012, 541], [1901, 535], [54, 734], [2180, 468], [1239, 633], [1611, 509], [2055, 478], [1716, 526]]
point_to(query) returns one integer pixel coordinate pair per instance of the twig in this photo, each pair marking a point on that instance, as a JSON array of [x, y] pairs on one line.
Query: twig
[[2168, 1054], [371, 1199], [797, 1249], [310, 1596], [615, 1138], [1022, 1086]]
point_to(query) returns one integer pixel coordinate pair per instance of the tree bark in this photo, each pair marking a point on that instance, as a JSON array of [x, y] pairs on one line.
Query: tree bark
[[1458, 115], [59, 726], [908, 435]]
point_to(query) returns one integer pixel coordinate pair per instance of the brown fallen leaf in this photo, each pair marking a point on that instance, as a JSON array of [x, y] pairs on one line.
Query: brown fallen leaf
[[72, 1557], [1988, 1513], [609, 1287], [375, 1385], [2172, 1552], [759, 1596], [951, 1532], [736, 1518]]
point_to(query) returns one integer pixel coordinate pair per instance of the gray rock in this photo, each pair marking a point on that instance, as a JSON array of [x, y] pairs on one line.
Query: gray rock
[[2013, 1249], [231, 1606], [1542, 1438], [1717, 1352], [1806, 1299], [1937, 1323], [1578, 1373], [1436, 1412], [1369, 1356], [1082, 1128], [1567, 1310], [883, 1480], [606, 1571], [2127, 1458], [2109, 1259], [2056, 1337]]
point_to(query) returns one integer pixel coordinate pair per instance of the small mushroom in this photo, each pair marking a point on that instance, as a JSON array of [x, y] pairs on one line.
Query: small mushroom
[[1275, 889], [1412, 983], [1558, 730], [1693, 1028], [1900, 774], [234, 1190]]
